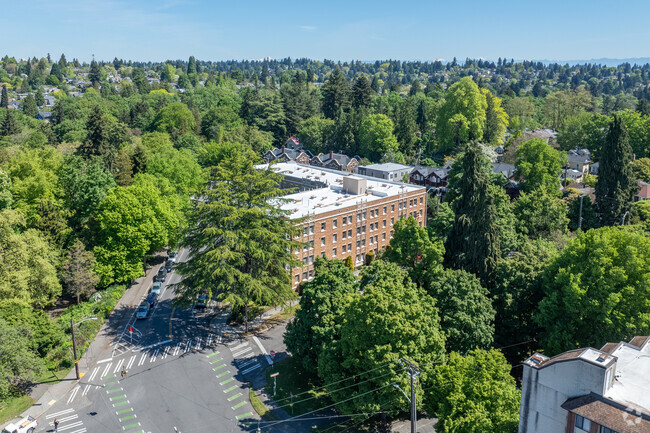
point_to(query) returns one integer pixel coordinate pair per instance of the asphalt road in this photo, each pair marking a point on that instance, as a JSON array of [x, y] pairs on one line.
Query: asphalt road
[[180, 375]]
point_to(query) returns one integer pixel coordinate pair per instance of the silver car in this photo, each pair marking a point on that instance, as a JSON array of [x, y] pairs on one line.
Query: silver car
[[143, 311]]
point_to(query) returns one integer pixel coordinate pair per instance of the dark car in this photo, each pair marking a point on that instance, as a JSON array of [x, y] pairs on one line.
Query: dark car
[[202, 301], [162, 274], [151, 299], [169, 264]]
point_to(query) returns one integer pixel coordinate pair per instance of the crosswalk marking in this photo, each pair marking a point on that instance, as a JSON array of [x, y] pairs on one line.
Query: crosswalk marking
[[238, 405], [188, 346], [230, 389], [63, 412], [117, 367], [248, 370], [74, 394], [106, 370], [176, 349], [209, 340], [69, 426], [212, 354], [232, 342], [166, 352], [214, 361], [227, 381], [94, 373], [249, 361], [198, 343], [244, 344], [248, 349], [86, 389], [244, 415], [131, 361], [142, 359], [155, 354], [234, 396], [65, 419]]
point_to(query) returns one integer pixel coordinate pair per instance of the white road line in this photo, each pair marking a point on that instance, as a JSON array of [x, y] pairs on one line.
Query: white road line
[[166, 352], [248, 349], [219, 339], [86, 389], [142, 359], [92, 376], [104, 360], [55, 414], [239, 347], [188, 346], [233, 342], [73, 395], [155, 354], [266, 354], [131, 361], [198, 344], [249, 362], [209, 340], [255, 367], [176, 349], [117, 367], [73, 425], [160, 343], [67, 418], [106, 370]]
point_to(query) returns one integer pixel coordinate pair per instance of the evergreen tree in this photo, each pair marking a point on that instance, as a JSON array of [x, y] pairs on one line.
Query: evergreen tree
[[496, 120], [97, 138], [374, 85], [615, 186], [95, 74], [29, 106], [191, 65], [416, 87], [9, 124], [336, 95], [362, 93], [4, 99], [63, 62], [38, 97], [473, 243]]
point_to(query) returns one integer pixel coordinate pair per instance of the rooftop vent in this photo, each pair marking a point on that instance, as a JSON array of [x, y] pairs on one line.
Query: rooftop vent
[[536, 359], [601, 358]]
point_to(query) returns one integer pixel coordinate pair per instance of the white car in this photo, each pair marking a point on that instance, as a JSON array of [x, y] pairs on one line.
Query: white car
[[143, 311], [156, 288], [26, 425]]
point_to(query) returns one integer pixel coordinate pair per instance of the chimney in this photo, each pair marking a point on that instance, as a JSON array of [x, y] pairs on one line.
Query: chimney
[[283, 149], [331, 154]]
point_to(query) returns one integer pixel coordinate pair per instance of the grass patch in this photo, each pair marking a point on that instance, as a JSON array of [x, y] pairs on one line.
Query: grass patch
[[14, 406], [52, 377], [294, 379], [284, 315], [260, 407]]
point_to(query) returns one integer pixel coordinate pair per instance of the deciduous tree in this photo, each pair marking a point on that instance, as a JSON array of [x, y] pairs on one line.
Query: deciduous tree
[[539, 165], [78, 273], [461, 117]]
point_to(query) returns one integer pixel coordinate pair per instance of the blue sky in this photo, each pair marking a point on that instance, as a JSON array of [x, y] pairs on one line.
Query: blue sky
[[332, 29]]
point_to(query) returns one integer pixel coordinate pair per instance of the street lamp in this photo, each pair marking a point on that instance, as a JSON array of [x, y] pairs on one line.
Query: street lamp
[[624, 215], [74, 345], [405, 395]]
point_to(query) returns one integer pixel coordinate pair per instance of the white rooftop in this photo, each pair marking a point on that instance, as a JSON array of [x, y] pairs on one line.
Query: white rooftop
[[388, 166], [632, 383], [332, 197]]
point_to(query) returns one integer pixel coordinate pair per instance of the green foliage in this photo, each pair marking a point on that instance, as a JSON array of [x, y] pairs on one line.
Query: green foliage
[[175, 119], [18, 364], [473, 243], [641, 169], [496, 119], [336, 95], [466, 313], [29, 106], [412, 248], [474, 394], [180, 167], [540, 213], [376, 136], [589, 217], [78, 273], [6, 197], [461, 117], [538, 164], [239, 241], [392, 319], [349, 263], [616, 186], [596, 291], [642, 208], [315, 133], [322, 306], [440, 224]]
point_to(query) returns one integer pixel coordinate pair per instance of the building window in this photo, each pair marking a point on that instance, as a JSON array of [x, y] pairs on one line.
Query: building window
[[421, 200], [350, 233], [358, 231], [323, 226], [304, 275], [311, 274], [345, 221], [334, 238], [296, 278], [358, 244], [604, 429], [372, 213], [311, 245], [383, 236], [334, 224], [399, 206], [322, 254], [333, 252], [358, 217], [583, 423], [371, 241], [392, 221], [322, 242], [384, 210], [363, 229], [372, 227], [350, 219], [305, 230], [350, 247], [343, 249], [311, 259], [363, 243], [344, 235], [383, 224], [391, 234], [311, 230], [304, 260]]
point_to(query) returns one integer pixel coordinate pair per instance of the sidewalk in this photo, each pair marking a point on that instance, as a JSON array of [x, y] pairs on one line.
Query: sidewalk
[[261, 322], [100, 348]]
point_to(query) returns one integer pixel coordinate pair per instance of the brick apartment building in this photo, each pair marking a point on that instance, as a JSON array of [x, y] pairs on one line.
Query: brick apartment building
[[345, 215], [588, 390]]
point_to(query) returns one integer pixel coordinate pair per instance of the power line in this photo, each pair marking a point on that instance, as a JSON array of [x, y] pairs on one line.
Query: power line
[[338, 381]]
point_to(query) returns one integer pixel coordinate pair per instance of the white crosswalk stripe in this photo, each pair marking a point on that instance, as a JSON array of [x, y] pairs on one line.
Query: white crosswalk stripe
[[142, 359], [86, 389], [198, 343], [154, 356], [117, 367], [248, 370], [65, 419], [131, 361], [106, 370], [73, 394], [176, 349], [166, 352], [239, 347], [63, 412], [241, 352], [94, 373], [69, 426], [188, 346], [250, 361]]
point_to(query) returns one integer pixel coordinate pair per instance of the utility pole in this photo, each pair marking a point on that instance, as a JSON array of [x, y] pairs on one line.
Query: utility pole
[[580, 217], [74, 349], [414, 373]]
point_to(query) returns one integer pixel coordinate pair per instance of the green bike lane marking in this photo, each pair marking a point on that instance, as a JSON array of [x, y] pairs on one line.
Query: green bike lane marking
[[214, 361], [126, 427], [244, 415], [119, 397], [227, 381], [218, 367], [111, 391], [220, 375], [230, 389], [238, 405], [234, 396], [123, 411], [127, 418], [212, 354], [121, 403]]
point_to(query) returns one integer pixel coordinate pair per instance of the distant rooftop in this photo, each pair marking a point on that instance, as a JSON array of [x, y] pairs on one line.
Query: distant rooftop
[[333, 196], [388, 166]]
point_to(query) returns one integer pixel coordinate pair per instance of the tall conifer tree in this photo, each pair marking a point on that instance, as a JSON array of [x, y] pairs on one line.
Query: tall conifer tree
[[336, 95], [615, 187], [473, 243], [4, 99]]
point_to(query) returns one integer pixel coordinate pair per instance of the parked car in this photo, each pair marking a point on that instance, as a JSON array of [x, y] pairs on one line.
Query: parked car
[[152, 299], [172, 255], [169, 264], [26, 425], [156, 288], [162, 274], [143, 311]]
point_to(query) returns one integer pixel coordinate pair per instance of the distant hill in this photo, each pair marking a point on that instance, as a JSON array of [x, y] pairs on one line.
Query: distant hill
[[602, 61]]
